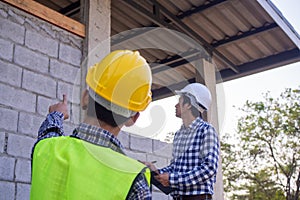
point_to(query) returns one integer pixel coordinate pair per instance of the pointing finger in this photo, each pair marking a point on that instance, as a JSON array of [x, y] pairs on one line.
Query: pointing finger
[[65, 99]]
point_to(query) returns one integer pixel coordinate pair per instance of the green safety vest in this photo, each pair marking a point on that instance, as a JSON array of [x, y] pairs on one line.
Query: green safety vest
[[70, 168]]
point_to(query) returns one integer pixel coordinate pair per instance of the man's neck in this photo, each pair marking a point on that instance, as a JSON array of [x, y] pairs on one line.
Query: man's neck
[[188, 119], [95, 122]]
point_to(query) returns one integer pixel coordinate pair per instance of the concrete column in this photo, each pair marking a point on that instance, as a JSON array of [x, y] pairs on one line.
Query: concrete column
[[97, 19], [98, 24], [206, 74]]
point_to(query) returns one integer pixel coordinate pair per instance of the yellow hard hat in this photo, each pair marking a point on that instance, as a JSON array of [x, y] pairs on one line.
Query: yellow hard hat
[[123, 78]]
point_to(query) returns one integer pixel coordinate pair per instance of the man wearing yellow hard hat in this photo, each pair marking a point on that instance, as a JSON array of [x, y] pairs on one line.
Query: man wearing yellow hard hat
[[90, 164]]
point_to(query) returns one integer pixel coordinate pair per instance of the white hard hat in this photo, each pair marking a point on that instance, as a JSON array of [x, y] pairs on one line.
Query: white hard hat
[[201, 97]]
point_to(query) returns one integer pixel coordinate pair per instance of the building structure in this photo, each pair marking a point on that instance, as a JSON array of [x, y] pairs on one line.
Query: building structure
[[45, 44]]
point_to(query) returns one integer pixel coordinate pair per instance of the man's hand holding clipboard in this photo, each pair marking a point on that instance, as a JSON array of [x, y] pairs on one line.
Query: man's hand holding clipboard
[[155, 180], [161, 181]]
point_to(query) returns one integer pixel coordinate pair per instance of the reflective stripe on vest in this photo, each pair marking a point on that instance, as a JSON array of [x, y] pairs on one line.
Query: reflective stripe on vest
[[69, 168]]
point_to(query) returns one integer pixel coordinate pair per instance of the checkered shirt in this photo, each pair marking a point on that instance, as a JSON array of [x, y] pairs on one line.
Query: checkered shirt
[[53, 127], [194, 164]]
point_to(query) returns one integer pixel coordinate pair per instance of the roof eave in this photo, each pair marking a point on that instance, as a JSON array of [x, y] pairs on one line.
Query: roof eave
[[277, 16]]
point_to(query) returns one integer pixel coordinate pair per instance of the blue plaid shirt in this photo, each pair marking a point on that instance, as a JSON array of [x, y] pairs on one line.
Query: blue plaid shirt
[[53, 127], [193, 168]]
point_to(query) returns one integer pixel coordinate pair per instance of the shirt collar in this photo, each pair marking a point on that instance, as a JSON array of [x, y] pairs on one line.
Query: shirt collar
[[194, 124], [98, 136]]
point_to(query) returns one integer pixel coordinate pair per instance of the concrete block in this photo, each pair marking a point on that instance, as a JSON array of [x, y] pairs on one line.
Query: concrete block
[[39, 83], [43, 105], [162, 148], [142, 144], [3, 13], [17, 98], [69, 128], [75, 40], [2, 142], [6, 49], [69, 54], [72, 91], [159, 196], [23, 191], [33, 23], [10, 74], [47, 28], [39, 42], [19, 145], [29, 124], [30, 59], [7, 168], [23, 170], [136, 155], [155, 190], [15, 17], [12, 31], [75, 113], [7, 190], [124, 139], [160, 161], [9, 119], [64, 72]]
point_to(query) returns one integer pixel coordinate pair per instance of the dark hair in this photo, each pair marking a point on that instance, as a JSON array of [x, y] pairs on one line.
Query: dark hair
[[195, 111], [96, 110]]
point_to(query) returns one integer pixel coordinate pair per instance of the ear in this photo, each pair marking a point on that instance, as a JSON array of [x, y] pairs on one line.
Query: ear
[[188, 106], [132, 120], [85, 99]]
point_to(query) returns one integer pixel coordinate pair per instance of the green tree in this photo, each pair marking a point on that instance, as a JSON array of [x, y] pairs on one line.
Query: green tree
[[262, 161]]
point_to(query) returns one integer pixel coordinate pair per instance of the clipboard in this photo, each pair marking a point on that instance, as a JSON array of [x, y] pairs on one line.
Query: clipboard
[[167, 190]]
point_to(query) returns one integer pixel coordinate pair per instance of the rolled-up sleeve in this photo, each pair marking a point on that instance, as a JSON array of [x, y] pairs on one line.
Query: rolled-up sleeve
[[52, 126]]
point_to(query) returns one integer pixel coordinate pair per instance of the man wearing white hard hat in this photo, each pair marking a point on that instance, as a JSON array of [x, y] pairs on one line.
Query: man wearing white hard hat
[[191, 173]]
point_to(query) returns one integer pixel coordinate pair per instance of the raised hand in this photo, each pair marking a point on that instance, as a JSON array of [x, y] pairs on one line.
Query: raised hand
[[61, 107]]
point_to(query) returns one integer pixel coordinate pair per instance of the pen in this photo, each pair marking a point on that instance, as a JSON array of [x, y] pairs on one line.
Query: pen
[[154, 161]]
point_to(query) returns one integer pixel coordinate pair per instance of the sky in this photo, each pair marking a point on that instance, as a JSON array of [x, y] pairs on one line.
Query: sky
[[159, 118]]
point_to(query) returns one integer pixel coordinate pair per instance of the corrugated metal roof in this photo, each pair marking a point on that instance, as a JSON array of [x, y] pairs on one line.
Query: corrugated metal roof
[[242, 36]]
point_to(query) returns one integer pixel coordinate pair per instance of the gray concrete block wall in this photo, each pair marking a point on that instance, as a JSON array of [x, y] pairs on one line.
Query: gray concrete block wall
[[38, 63], [146, 149]]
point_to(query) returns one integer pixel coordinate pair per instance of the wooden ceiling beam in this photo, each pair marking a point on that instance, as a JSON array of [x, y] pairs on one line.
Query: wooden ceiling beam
[[49, 15]]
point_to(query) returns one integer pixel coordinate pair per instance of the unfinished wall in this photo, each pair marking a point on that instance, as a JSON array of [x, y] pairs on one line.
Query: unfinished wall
[[146, 149], [38, 63]]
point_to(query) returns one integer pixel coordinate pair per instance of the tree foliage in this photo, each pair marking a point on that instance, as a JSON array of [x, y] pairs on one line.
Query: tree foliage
[[262, 160]]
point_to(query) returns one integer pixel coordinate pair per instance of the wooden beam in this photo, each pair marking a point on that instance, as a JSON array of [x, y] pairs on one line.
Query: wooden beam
[[49, 15]]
